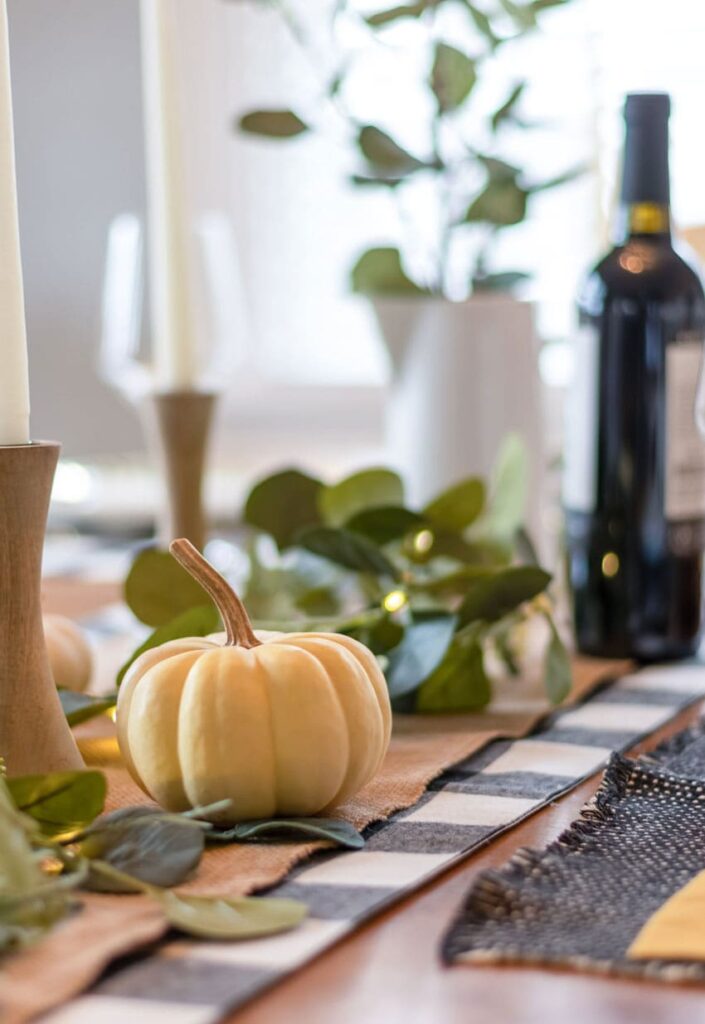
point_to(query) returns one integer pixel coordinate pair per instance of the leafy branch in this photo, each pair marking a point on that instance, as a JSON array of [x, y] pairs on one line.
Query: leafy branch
[[478, 194]]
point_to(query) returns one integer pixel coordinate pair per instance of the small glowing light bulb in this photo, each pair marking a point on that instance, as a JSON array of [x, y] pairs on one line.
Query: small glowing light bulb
[[423, 542], [394, 600], [610, 564]]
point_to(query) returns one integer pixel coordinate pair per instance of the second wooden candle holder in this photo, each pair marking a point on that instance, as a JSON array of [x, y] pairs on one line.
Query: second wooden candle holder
[[181, 424], [34, 734]]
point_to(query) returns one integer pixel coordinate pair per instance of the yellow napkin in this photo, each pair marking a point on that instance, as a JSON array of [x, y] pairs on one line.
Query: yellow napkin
[[677, 930]]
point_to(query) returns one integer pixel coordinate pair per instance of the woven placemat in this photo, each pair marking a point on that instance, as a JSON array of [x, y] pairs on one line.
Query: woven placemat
[[478, 798], [634, 845]]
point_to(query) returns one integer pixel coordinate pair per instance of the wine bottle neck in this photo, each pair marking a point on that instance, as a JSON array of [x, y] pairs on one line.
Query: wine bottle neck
[[644, 220], [645, 195]]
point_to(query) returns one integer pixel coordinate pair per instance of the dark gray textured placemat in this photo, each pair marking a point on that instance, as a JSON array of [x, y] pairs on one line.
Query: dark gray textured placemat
[[581, 901]]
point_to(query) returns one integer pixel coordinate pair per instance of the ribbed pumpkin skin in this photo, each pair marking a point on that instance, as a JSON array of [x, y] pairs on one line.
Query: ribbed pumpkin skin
[[291, 727], [69, 653]]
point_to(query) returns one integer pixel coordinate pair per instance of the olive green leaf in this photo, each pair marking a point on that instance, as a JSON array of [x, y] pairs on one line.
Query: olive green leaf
[[458, 506], [559, 179], [370, 488], [493, 597], [422, 649], [274, 124], [502, 203], [379, 272], [283, 504], [460, 682], [558, 672], [350, 550], [506, 508], [157, 588], [156, 847], [211, 917], [453, 76], [483, 25], [199, 621], [80, 707], [506, 111], [384, 154], [523, 14], [230, 918], [453, 584], [61, 803], [386, 523], [380, 18], [318, 602], [342, 833], [543, 5]]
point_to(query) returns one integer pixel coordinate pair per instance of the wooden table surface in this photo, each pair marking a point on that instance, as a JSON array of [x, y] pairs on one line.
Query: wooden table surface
[[389, 972]]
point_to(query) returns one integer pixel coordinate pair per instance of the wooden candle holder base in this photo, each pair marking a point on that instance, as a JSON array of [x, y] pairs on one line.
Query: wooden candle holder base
[[34, 734], [182, 422]]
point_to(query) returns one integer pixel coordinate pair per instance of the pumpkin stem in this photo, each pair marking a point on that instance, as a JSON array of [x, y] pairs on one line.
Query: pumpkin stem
[[232, 611]]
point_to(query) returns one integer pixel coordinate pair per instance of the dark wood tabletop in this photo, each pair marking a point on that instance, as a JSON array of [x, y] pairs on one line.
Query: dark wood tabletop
[[389, 971]]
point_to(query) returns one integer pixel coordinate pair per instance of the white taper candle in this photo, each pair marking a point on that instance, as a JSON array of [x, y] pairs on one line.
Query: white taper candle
[[14, 376], [173, 339]]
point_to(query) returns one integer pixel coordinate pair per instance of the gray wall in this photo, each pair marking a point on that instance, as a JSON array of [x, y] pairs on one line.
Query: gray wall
[[78, 127]]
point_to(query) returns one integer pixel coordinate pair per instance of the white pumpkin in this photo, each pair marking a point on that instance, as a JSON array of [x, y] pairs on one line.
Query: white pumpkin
[[70, 655], [280, 724]]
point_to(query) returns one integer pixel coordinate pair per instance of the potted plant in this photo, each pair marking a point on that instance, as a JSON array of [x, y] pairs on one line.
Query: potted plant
[[446, 309]]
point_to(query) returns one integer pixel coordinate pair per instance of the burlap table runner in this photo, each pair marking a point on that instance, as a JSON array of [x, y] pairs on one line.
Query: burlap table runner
[[70, 958]]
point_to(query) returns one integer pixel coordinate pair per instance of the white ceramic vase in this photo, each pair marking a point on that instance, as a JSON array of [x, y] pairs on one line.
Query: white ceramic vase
[[464, 375]]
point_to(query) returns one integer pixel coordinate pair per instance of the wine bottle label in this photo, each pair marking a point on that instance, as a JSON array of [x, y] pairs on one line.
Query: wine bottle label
[[581, 423], [685, 449]]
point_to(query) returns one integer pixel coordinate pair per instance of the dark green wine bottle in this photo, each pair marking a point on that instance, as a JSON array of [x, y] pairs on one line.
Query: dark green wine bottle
[[634, 483]]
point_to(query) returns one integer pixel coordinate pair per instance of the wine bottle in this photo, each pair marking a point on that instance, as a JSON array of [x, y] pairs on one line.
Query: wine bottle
[[634, 478]]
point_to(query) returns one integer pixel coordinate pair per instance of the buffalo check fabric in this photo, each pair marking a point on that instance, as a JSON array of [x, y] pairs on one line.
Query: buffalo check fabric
[[186, 982]]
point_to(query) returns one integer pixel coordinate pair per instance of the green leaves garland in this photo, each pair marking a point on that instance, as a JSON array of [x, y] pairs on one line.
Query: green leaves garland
[[54, 840], [426, 589]]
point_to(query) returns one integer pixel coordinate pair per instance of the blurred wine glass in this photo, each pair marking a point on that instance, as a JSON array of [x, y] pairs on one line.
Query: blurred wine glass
[[219, 307]]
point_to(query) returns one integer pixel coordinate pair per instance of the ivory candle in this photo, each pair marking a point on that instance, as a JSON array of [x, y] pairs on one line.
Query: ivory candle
[[173, 340], [14, 377]]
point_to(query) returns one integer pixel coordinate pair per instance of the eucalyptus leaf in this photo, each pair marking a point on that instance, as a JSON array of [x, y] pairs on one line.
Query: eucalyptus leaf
[[523, 14], [383, 153], [213, 917], [380, 18], [509, 488], [61, 803], [421, 651], [558, 671], [318, 601], [500, 203], [493, 597], [283, 504], [506, 111], [274, 124], [453, 76], [152, 846], [456, 583], [483, 25], [560, 179], [342, 833], [348, 549], [230, 918], [460, 682], [379, 272], [370, 488], [458, 506], [385, 524], [80, 707], [199, 621], [157, 588]]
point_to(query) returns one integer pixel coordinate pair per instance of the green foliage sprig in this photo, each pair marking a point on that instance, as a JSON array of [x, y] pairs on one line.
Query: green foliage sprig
[[55, 840], [478, 191], [430, 591]]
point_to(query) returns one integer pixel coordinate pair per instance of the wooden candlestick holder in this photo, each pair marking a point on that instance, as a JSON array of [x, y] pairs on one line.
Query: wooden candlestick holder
[[181, 424], [34, 734]]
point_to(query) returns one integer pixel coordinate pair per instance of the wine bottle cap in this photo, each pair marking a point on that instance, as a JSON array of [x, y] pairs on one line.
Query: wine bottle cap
[[647, 106]]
